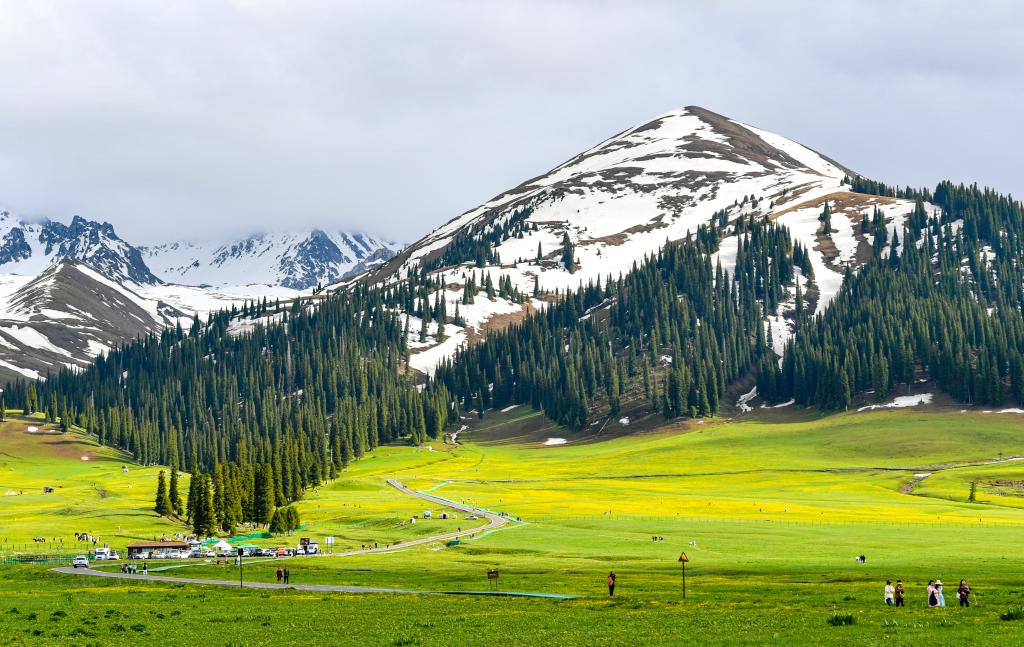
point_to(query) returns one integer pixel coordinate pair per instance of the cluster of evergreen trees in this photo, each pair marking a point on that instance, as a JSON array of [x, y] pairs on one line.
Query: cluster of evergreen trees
[[944, 304], [478, 244], [682, 326]]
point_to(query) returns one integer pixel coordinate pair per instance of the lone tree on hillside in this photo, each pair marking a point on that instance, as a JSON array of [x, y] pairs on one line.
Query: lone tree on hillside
[[163, 502], [568, 252]]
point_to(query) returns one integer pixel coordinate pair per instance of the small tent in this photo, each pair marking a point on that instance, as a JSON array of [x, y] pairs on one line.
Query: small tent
[[221, 545]]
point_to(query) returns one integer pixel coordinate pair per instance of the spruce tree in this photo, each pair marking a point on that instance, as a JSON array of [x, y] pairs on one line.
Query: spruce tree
[[568, 253], [163, 502], [175, 496]]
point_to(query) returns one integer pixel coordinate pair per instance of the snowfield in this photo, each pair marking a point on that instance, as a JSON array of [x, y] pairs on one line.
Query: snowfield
[[901, 402]]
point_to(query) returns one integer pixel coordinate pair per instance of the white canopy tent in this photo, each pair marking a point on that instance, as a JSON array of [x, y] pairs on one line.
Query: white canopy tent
[[221, 545]]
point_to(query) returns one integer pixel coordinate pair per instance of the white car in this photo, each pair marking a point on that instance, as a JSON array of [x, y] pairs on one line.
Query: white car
[[80, 562]]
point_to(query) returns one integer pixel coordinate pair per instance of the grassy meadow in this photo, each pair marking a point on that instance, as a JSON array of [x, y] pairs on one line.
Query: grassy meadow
[[771, 508]]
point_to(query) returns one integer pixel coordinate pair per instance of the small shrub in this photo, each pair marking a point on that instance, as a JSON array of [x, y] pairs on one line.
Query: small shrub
[[139, 627], [117, 626], [840, 619], [32, 616], [1013, 613]]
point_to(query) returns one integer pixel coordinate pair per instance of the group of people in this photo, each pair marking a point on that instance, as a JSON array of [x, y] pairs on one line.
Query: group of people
[[133, 569], [283, 574], [895, 595]]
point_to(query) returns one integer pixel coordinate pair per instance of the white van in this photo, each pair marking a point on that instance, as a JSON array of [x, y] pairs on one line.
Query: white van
[[104, 553]]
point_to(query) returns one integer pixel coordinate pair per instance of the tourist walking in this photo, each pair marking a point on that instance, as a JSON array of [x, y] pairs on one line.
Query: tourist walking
[[890, 593], [611, 584], [280, 574], [941, 599], [145, 568], [933, 601], [286, 574], [900, 593], [964, 594]]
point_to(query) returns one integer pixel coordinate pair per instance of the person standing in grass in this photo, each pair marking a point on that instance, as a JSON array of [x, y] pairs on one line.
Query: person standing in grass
[[933, 601], [611, 584], [899, 593], [890, 592], [940, 598], [964, 594], [287, 574], [279, 574]]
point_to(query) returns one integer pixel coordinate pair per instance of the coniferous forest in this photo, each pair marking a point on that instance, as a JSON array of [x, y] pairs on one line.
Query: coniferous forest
[[261, 412]]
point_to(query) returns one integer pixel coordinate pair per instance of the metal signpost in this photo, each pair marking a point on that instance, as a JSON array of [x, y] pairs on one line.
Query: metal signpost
[[682, 560], [492, 578], [240, 552]]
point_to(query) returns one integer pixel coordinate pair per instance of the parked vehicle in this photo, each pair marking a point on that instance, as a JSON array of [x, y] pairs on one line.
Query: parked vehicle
[[80, 562], [104, 553], [308, 547]]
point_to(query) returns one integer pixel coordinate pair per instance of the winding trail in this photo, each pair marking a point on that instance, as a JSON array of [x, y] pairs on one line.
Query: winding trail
[[494, 522]]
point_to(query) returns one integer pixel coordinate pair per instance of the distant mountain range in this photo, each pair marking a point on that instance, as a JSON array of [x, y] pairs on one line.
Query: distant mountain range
[[69, 292], [294, 260]]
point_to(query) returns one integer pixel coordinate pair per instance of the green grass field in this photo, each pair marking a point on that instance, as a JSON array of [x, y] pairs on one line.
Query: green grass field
[[771, 510]]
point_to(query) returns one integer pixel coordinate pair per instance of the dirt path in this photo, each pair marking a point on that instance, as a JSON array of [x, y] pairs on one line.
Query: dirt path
[[69, 570]]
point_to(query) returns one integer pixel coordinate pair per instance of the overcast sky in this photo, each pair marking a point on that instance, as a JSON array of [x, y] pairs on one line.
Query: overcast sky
[[203, 119]]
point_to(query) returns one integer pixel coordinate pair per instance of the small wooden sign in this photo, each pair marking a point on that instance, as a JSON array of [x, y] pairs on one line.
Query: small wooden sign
[[492, 573], [683, 557]]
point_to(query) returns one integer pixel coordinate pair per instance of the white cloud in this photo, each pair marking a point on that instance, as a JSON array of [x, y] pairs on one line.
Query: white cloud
[[170, 119]]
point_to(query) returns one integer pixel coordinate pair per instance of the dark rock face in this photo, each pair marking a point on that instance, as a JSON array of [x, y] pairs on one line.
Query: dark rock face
[[14, 247], [93, 243], [98, 245], [312, 261]]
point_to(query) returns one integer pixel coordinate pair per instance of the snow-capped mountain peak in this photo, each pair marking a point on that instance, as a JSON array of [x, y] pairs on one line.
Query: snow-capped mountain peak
[[31, 247], [622, 199]]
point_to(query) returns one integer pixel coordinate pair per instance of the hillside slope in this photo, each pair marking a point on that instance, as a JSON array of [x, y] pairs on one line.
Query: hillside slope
[[69, 314]]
